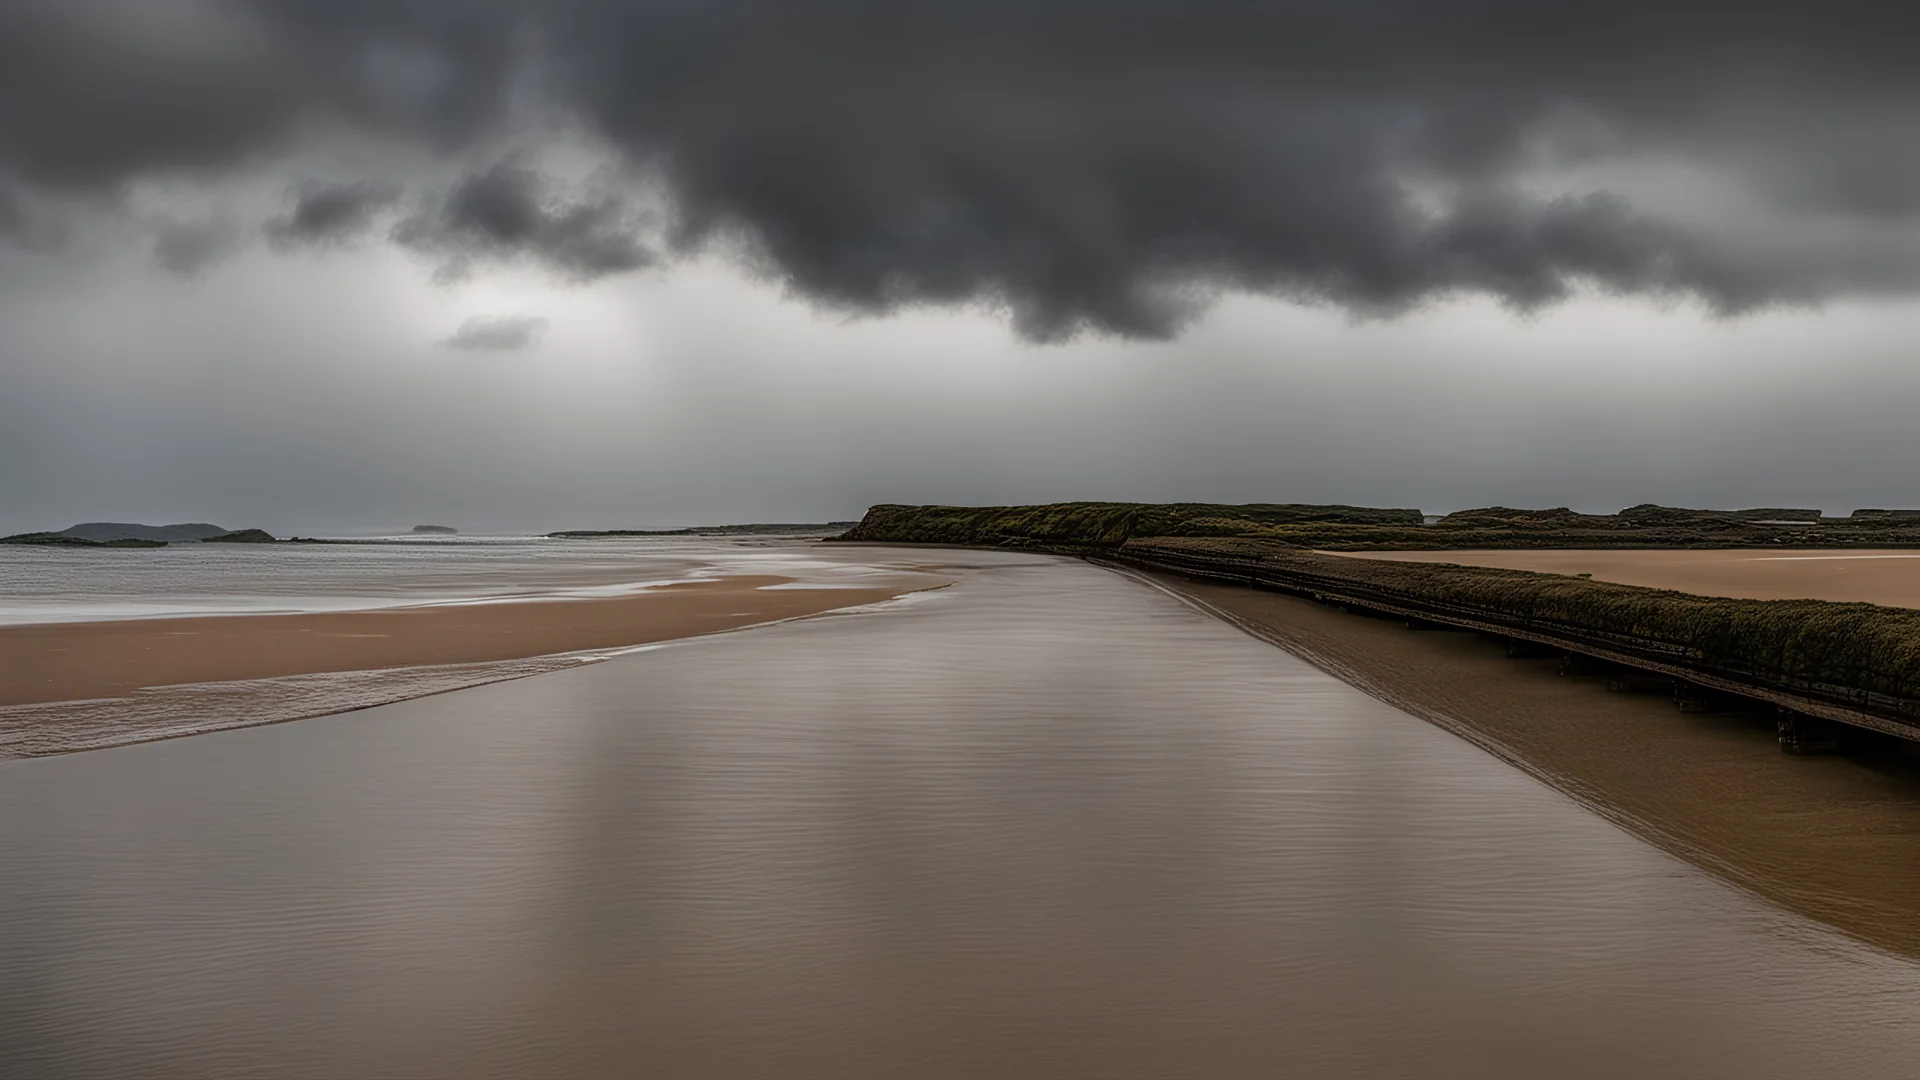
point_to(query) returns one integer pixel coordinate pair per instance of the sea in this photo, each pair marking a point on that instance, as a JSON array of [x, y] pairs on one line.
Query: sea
[[1048, 822], [53, 584]]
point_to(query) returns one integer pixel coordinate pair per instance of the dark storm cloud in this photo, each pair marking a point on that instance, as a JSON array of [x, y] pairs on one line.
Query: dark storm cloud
[[330, 213], [510, 210], [496, 333], [1080, 165], [95, 91]]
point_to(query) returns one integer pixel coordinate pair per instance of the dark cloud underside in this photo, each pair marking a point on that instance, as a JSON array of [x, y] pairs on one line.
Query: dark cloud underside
[[329, 213], [510, 210], [1080, 165]]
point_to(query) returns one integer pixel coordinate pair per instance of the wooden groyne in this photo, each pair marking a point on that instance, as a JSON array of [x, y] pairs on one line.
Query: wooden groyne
[[1806, 709]]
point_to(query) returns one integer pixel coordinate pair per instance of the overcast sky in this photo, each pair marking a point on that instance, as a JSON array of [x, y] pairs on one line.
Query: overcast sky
[[353, 264]]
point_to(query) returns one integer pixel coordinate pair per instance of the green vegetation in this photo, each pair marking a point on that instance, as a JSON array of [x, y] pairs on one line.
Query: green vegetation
[[1094, 524], [1649, 514], [1075, 526], [1861, 646]]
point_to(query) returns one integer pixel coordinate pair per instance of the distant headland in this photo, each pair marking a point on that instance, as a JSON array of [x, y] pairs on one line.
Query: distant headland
[[436, 530]]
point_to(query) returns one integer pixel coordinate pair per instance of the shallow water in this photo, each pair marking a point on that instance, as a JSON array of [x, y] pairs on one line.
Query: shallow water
[[53, 585], [43, 585], [170, 712], [1045, 823]]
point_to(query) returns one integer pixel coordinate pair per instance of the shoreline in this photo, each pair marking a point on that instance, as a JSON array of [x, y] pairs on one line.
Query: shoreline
[[47, 663], [1835, 839]]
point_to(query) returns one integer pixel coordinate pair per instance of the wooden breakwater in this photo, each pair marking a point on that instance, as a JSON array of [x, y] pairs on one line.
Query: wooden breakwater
[[1807, 699]]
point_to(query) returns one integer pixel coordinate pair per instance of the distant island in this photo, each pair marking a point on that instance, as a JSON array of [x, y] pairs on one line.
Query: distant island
[[712, 530], [243, 536], [107, 532], [436, 530], [63, 540], [121, 534]]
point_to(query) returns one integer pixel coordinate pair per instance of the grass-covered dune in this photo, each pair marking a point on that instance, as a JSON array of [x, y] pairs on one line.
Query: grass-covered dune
[[1093, 525], [1100, 524], [1851, 646]]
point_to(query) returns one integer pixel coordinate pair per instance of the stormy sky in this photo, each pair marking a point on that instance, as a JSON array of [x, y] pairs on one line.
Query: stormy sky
[[341, 264]]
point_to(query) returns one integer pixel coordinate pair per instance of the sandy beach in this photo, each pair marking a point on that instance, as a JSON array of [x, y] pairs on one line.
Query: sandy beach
[[1834, 838], [75, 661], [1889, 577]]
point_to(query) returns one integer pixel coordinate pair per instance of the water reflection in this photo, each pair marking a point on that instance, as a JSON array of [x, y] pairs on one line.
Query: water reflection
[[1046, 823]]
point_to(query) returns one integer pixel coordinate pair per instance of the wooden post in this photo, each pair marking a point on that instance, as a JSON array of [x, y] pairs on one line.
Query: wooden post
[[1803, 734]]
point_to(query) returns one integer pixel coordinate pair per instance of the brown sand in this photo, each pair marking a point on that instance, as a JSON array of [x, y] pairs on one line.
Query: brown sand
[[74, 661], [1874, 577], [1836, 839]]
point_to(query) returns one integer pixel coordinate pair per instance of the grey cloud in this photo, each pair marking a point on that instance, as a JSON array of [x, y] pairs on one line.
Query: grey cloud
[[187, 247], [496, 333], [13, 214], [1114, 168], [24, 223], [511, 211], [1106, 166], [330, 213], [93, 92], [1528, 251]]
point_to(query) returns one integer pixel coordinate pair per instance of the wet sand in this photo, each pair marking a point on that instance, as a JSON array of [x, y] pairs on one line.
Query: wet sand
[[1873, 577], [77, 661], [1836, 839]]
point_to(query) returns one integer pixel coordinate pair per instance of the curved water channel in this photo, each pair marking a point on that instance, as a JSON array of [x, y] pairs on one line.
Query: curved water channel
[[1045, 823]]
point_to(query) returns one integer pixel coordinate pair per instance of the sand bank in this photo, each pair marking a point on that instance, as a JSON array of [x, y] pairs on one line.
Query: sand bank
[[1873, 577], [1836, 839], [74, 661]]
